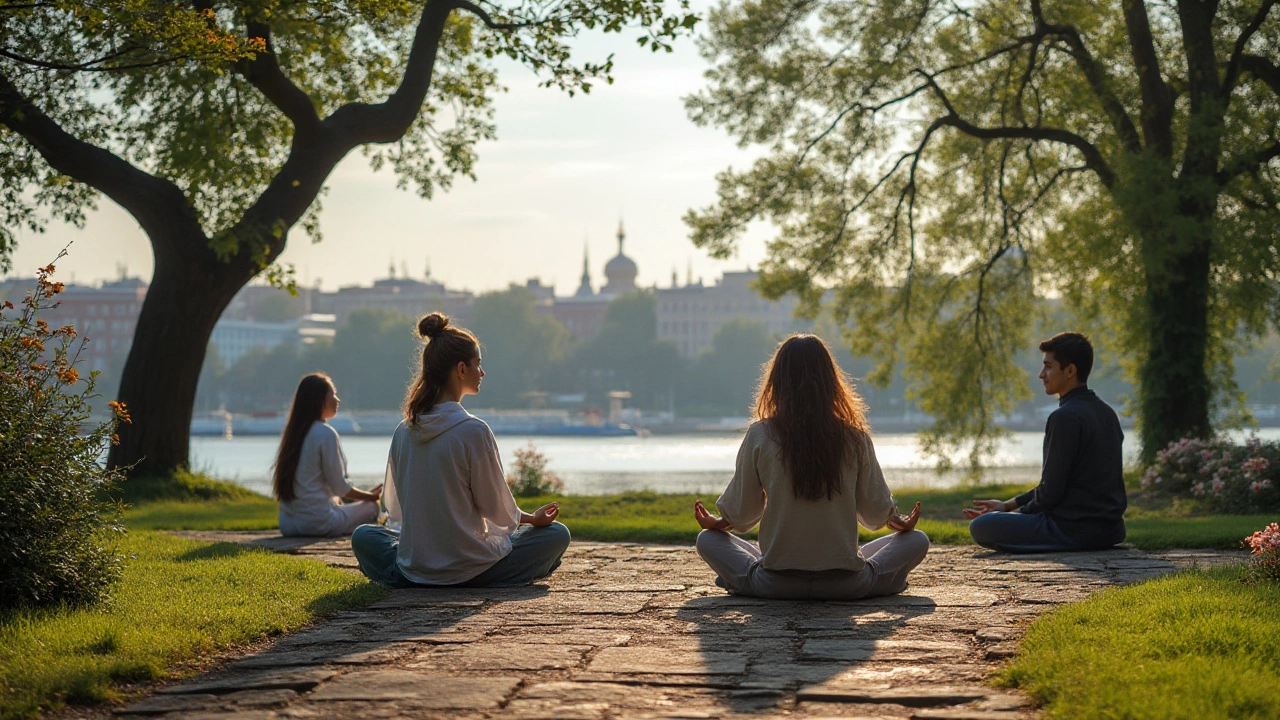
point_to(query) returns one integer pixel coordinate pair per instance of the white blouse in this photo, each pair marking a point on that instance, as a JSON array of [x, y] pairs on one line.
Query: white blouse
[[319, 483]]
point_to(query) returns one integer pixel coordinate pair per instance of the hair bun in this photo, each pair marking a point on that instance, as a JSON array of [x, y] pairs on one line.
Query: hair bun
[[432, 325]]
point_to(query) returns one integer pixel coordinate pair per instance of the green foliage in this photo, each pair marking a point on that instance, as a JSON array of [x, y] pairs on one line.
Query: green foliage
[[726, 375], [939, 168], [179, 486], [172, 607], [519, 346], [56, 530], [80, 40], [1225, 476], [627, 354], [529, 476], [373, 357], [1193, 645]]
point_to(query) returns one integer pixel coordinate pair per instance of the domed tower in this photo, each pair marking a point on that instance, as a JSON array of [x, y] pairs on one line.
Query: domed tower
[[620, 271]]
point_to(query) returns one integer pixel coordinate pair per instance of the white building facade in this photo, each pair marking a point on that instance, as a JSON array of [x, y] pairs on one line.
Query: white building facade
[[690, 315]]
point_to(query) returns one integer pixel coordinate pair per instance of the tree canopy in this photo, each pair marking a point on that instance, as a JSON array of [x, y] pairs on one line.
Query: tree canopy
[[220, 143], [942, 164]]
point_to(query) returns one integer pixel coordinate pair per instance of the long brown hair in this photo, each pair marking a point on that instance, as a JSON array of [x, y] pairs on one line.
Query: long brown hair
[[445, 346], [814, 414], [308, 405]]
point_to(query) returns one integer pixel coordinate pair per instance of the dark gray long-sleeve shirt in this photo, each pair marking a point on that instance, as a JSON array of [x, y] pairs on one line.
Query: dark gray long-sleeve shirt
[[1082, 482]]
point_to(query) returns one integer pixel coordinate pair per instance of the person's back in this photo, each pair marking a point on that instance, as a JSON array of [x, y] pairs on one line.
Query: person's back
[[1090, 503], [799, 533], [1080, 501], [451, 518], [447, 495], [807, 473], [310, 473]]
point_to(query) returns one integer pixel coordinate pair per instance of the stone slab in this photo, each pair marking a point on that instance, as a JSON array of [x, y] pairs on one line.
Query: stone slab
[[910, 696], [438, 692], [665, 661], [859, 650], [504, 656], [297, 680], [627, 631]]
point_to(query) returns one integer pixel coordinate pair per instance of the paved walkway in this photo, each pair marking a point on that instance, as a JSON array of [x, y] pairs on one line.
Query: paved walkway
[[632, 631]]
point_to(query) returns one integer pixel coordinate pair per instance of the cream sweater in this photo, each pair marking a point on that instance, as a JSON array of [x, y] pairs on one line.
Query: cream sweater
[[447, 495], [799, 534]]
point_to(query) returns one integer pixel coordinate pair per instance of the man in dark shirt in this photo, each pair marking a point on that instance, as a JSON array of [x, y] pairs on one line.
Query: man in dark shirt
[[1080, 501]]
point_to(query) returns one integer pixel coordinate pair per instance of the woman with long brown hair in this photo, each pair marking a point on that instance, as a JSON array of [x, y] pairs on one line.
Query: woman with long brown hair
[[807, 473], [310, 473], [452, 520]]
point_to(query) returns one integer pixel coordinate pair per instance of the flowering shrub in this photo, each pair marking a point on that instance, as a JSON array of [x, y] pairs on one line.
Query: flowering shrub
[[1264, 562], [56, 525], [1228, 477], [530, 476]]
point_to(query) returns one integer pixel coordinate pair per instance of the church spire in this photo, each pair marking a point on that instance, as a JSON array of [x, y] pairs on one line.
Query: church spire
[[622, 235], [584, 287]]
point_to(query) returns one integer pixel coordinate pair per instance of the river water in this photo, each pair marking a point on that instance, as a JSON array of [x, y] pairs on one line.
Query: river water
[[699, 463]]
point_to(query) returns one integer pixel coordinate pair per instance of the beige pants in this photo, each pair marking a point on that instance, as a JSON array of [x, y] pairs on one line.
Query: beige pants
[[889, 559]]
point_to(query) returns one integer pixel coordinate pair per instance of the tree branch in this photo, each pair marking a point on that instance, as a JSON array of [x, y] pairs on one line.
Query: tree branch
[[1157, 102], [1237, 52], [264, 73], [385, 122], [88, 65], [486, 18], [1248, 163], [1095, 75], [1263, 69], [1093, 158], [157, 204]]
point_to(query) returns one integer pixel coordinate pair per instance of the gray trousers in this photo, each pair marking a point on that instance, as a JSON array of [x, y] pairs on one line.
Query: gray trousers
[[889, 559]]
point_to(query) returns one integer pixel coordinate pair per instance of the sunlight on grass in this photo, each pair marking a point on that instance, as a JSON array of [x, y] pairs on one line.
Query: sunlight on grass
[[178, 600], [255, 513], [1196, 645]]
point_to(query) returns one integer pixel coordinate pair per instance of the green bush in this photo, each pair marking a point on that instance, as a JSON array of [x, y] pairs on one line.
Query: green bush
[[57, 527], [1225, 476], [530, 476]]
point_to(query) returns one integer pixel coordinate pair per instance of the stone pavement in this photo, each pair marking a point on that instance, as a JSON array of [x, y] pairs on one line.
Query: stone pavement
[[632, 631]]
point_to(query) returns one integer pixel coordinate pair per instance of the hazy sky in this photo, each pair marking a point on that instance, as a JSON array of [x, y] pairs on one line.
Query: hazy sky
[[562, 172]]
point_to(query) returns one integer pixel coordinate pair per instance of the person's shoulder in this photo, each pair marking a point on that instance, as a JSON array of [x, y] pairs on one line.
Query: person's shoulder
[[322, 431], [758, 433], [472, 429]]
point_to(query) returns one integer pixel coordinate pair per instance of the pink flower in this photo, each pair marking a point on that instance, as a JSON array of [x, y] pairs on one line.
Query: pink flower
[[1259, 486], [1198, 488], [1218, 485], [1205, 470]]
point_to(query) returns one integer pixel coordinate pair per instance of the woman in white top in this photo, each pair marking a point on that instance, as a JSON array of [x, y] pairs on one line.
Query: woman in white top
[[807, 473], [311, 470], [451, 518]]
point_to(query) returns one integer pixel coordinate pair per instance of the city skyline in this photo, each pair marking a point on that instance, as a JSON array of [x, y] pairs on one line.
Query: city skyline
[[562, 172]]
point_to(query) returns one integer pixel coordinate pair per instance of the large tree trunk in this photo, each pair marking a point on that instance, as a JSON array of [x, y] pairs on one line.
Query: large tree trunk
[[189, 290], [1174, 384]]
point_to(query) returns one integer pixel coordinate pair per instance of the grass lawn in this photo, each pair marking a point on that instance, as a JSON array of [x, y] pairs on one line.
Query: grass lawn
[[179, 600], [668, 518], [1195, 645]]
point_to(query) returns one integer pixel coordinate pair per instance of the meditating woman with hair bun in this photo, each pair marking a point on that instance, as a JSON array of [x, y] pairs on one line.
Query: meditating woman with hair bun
[[310, 473], [452, 521], [807, 473]]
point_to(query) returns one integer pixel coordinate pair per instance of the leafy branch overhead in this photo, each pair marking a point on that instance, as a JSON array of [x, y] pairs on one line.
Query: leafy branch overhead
[[216, 125], [942, 164]]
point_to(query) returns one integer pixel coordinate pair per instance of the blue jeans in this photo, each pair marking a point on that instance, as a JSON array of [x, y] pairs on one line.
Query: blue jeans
[[535, 553], [1018, 533]]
